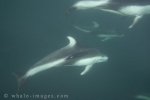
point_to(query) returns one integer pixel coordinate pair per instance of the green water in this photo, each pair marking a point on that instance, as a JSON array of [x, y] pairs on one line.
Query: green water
[[31, 29]]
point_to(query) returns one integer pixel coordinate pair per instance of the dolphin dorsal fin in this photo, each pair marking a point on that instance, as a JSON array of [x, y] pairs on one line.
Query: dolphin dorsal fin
[[72, 41]]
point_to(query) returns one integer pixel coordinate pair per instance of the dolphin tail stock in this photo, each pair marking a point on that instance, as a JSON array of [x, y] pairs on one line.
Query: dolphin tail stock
[[20, 81]]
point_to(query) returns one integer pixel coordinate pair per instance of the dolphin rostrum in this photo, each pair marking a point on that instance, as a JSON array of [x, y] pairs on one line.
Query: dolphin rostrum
[[70, 55]]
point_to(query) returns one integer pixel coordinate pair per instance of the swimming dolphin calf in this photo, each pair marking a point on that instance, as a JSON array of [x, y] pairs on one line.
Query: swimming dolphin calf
[[70, 55]]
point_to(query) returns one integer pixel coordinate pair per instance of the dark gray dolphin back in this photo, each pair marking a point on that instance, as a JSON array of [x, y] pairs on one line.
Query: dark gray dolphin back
[[84, 52], [61, 53]]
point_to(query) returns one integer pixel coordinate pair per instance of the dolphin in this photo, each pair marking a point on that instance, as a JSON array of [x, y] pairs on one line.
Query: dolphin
[[106, 37], [142, 97], [137, 11], [94, 26], [134, 8], [70, 55]]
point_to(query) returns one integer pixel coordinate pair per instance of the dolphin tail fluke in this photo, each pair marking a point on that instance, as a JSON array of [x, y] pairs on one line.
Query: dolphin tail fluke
[[20, 81]]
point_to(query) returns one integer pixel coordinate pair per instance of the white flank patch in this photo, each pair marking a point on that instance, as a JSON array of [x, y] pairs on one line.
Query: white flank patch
[[132, 10], [38, 69], [89, 61], [90, 4]]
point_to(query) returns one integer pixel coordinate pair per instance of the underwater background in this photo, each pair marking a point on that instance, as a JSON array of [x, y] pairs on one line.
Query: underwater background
[[31, 29]]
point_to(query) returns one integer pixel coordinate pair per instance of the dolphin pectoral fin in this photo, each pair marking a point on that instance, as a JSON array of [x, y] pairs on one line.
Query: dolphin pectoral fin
[[72, 41], [87, 68], [136, 19]]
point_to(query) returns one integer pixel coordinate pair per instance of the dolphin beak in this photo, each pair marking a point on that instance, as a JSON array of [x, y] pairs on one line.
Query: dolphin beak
[[103, 59], [106, 58]]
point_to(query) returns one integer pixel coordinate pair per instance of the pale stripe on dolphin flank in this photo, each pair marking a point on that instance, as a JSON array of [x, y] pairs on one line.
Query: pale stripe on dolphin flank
[[44, 67], [52, 60], [87, 4]]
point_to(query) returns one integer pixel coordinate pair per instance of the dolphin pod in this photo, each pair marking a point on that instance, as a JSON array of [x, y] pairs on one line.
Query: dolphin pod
[[120, 7], [86, 58]]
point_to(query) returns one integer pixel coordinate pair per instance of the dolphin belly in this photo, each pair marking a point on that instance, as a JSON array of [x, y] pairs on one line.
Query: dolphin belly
[[41, 68]]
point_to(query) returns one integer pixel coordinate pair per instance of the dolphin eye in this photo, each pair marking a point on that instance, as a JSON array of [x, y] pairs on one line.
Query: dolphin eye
[[70, 57]]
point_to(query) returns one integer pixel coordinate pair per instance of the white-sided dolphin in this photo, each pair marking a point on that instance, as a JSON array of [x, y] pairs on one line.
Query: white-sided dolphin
[[135, 11], [94, 25], [142, 97], [134, 8], [89, 29], [103, 35], [106, 37], [70, 55]]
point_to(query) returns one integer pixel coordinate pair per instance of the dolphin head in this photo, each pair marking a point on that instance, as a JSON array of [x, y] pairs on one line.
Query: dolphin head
[[85, 57], [101, 58]]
